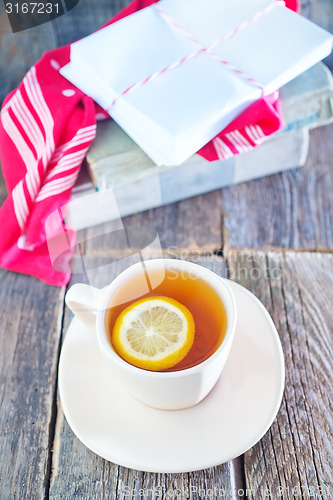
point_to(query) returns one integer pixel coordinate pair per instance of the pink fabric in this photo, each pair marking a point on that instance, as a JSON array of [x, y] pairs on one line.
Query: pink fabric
[[46, 128], [293, 5]]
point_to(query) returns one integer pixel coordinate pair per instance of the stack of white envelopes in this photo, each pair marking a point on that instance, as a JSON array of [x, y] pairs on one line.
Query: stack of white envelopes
[[175, 74]]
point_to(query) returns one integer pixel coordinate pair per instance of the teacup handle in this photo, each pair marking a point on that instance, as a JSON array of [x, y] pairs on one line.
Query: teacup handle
[[84, 300]]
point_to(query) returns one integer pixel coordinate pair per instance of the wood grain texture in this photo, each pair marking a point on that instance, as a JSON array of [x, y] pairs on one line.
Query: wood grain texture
[[321, 13], [193, 224], [19, 51], [295, 454], [293, 209], [3, 190], [29, 344], [85, 18], [41, 457], [80, 474]]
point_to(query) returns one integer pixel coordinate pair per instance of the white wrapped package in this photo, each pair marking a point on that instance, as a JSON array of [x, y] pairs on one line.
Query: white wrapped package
[[175, 74]]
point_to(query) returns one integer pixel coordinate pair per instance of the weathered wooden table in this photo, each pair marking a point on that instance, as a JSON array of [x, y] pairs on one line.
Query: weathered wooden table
[[282, 222]]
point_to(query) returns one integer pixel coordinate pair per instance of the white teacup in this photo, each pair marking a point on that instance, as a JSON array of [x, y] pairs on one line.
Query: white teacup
[[164, 390]]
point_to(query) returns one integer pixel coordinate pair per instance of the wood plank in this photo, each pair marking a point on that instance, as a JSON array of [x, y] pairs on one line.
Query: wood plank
[[78, 472], [293, 209], [295, 454], [29, 345], [190, 225], [3, 190], [85, 18], [21, 50], [321, 13]]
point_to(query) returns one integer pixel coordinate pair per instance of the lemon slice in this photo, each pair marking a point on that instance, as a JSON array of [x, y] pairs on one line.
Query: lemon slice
[[154, 333]]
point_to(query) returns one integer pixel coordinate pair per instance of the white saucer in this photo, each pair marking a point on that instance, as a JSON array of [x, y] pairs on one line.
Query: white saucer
[[230, 420]]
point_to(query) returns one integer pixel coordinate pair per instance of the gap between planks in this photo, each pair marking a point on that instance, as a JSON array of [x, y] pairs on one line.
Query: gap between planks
[[273, 249], [54, 411], [186, 253]]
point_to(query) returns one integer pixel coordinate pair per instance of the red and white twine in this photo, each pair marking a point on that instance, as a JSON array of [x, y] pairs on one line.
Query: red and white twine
[[201, 50]]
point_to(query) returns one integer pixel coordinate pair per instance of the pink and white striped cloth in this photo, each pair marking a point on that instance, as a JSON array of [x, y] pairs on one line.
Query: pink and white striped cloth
[[46, 128]]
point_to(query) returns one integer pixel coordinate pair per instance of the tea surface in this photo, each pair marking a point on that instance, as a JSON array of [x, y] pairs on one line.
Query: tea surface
[[194, 293]]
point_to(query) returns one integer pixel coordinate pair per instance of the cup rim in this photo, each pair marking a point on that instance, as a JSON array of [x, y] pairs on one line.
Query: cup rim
[[214, 280]]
